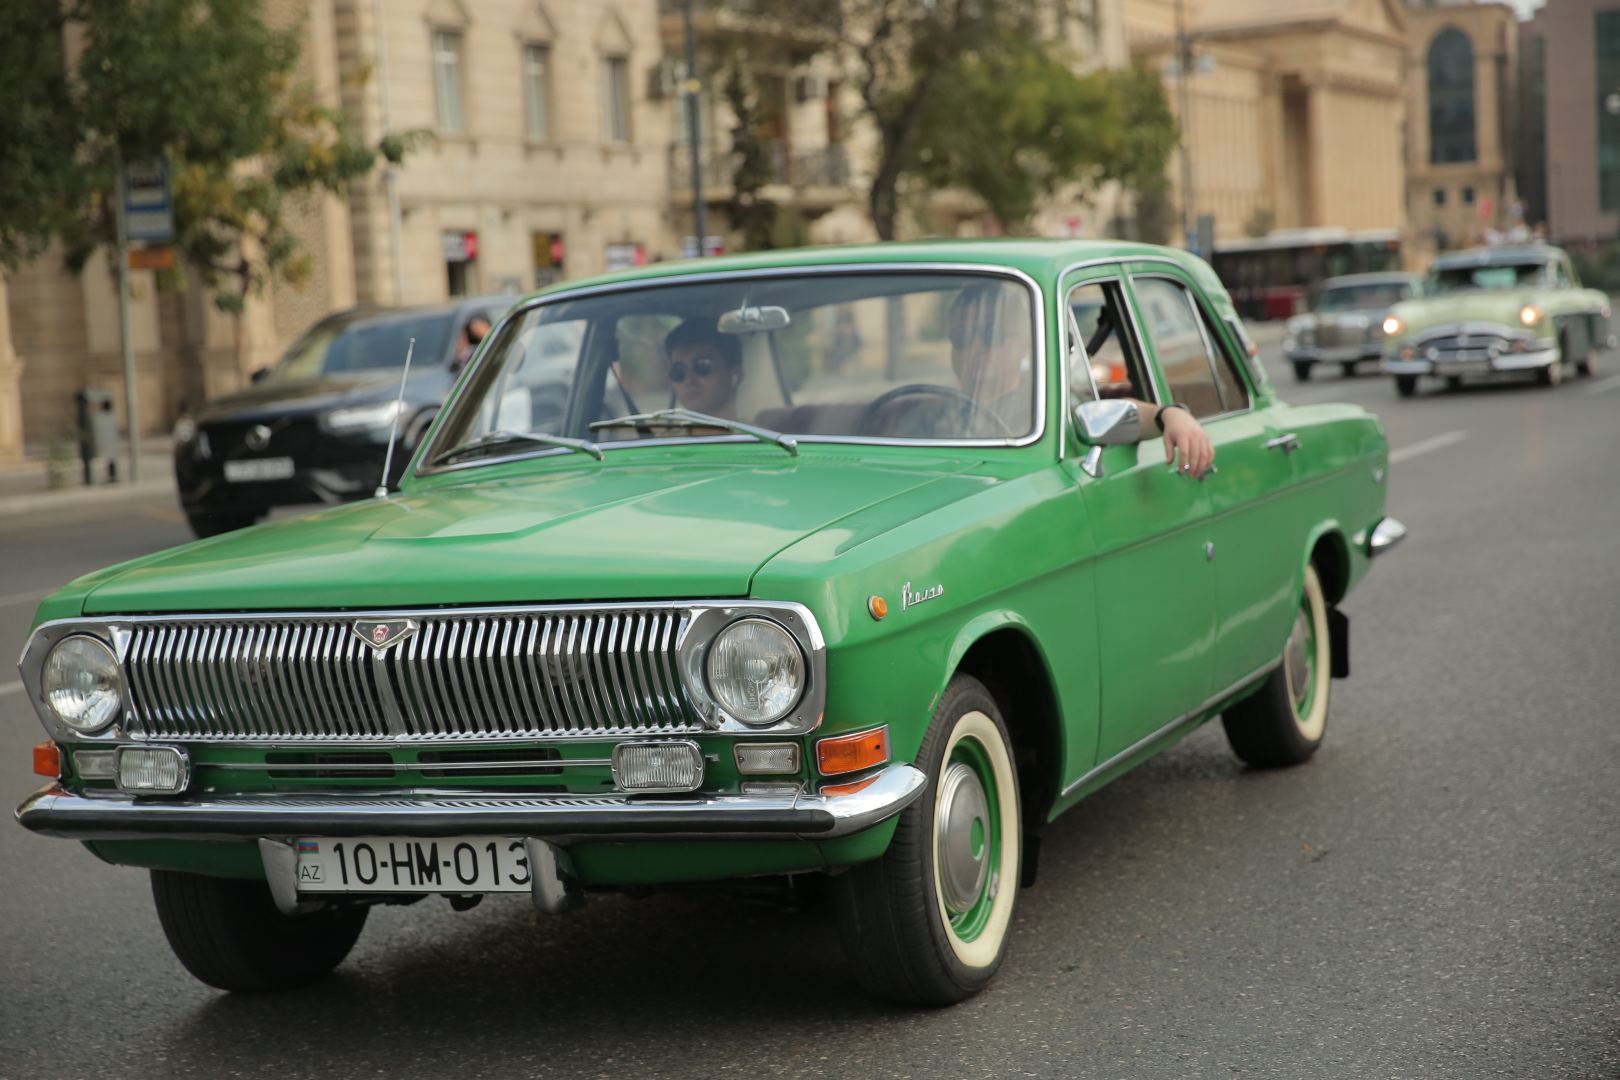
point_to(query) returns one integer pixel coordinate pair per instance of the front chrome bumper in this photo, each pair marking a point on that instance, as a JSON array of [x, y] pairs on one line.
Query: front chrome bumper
[[1525, 361], [55, 811]]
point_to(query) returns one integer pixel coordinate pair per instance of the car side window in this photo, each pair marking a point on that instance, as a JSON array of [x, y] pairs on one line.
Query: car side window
[[1105, 345], [1234, 394], [1174, 328]]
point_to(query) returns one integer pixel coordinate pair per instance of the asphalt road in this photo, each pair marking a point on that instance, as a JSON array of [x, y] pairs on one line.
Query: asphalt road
[[1436, 894]]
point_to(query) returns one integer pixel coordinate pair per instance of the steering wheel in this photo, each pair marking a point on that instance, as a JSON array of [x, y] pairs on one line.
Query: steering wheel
[[949, 393]]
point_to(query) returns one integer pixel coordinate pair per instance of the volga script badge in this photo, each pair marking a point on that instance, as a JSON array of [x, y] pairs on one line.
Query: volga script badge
[[384, 634]]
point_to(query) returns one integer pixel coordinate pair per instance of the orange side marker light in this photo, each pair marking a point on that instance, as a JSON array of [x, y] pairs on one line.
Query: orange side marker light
[[852, 753], [48, 760]]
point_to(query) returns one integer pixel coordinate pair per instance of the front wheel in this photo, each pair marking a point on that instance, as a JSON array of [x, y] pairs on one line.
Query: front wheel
[[926, 923], [1302, 370], [1406, 385], [229, 933], [1283, 722]]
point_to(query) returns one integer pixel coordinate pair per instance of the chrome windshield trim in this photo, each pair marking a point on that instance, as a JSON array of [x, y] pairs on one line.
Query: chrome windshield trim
[[56, 811], [1038, 312]]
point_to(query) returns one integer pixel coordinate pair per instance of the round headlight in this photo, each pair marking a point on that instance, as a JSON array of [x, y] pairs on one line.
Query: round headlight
[[81, 682], [1529, 314], [1392, 325], [755, 671]]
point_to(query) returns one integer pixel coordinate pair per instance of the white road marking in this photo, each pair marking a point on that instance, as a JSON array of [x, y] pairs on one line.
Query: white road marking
[[1603, 385], [10, 688], [1439, 442], [21, 597]]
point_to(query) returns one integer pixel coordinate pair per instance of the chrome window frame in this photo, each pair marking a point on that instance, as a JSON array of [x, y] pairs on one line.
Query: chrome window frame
[[1069, 326], [707, 616], [1038, 313]]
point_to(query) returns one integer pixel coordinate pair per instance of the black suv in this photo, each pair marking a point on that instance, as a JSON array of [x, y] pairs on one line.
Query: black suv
[[314, 427]]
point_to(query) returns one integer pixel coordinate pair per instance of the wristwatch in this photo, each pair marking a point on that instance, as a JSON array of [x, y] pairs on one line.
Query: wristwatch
[[1158, 417]]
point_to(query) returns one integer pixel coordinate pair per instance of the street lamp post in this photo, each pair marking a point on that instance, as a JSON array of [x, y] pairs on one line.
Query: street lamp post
[[1184, 60], [692, 88]]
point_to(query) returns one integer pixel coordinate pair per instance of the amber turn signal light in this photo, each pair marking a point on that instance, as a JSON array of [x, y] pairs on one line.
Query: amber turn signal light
[[48, 760], [852, 753], [849, 788]]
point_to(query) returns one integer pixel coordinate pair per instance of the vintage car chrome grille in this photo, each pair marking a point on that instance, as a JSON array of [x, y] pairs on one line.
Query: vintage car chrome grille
[[459, 675]]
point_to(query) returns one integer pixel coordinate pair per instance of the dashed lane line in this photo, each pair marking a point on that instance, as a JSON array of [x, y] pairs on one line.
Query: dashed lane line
[[1439, 442], [1604, 385]]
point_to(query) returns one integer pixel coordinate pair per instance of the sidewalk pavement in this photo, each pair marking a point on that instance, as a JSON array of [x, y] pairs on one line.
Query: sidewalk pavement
[[25, 487]]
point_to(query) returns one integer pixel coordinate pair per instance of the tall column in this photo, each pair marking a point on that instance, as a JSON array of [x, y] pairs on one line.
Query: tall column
[[11, 369]]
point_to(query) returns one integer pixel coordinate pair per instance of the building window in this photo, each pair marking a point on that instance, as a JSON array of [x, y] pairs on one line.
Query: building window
[[537, 90], [447, 80], [1468, 195], [1439, 196], [1608, 110], [616, 96], [1451, 98]]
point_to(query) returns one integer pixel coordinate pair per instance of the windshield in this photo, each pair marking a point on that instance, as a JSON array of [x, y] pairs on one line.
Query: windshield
[[344, 344], [870, 356], [1494, 276], [1362, 297]]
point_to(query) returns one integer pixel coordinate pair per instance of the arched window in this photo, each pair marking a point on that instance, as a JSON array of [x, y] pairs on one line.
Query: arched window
[[1451, 97]]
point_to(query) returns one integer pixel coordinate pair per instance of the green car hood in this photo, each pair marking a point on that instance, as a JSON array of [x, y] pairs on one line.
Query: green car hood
[[1467, 305], [595, 533]]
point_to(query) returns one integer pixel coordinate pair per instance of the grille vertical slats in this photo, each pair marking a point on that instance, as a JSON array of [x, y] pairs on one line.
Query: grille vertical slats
[[460, 675]]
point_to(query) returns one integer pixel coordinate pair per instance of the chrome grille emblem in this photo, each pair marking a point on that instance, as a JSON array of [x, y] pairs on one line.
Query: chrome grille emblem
[[385, 634], [258, 437]]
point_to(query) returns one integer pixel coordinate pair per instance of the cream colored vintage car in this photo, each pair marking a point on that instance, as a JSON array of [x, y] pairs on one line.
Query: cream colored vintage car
[[1497, 311]]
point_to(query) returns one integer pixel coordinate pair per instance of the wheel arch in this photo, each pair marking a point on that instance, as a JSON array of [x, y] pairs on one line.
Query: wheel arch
[[1002, 652], [1329, 552]]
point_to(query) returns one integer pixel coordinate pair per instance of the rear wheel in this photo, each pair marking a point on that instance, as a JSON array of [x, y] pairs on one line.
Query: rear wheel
[[1348, 368], [1283, 722], [229, 933], [1302, 370], [1583, 362], [926, 924], [1406, 385]]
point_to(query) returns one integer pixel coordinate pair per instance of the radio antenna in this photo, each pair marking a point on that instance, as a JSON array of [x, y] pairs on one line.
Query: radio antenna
[[393, 425]]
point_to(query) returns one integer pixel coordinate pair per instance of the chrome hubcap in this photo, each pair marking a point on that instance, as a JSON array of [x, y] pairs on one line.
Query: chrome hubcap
[[962, 840], [1297, 661]]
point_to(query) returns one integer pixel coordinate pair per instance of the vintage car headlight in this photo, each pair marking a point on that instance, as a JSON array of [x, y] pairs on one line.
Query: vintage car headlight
[[756, 671], [81, 683], [1392, 325], [362, 418], [1529, 315]]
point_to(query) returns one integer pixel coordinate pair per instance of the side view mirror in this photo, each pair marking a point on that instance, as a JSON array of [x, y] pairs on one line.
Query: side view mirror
[[1105, 423], [258, 376]]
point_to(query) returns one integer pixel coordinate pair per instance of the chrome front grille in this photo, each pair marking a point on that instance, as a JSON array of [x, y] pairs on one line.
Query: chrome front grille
[[460, 675]]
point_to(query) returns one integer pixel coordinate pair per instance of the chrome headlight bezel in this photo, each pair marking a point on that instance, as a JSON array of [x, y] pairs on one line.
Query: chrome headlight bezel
[[42, 647], [709, 622]]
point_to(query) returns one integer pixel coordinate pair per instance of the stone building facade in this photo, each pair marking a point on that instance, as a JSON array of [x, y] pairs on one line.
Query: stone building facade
[[1462, 103], [1292, 110]]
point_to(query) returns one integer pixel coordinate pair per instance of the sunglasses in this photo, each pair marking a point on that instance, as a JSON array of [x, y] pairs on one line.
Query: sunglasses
[[702, 367]]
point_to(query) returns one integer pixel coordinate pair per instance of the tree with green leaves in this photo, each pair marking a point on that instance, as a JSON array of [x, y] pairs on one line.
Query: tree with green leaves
[[752, 215], [206, 84]]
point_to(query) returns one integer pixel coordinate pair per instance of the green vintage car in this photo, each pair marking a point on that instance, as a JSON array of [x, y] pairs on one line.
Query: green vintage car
[[912, 583], [1516, 310]]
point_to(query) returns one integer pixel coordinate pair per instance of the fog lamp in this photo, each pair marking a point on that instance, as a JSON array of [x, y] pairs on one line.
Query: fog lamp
[[758, 759], [94, 764], [659, 766], [152, 770]]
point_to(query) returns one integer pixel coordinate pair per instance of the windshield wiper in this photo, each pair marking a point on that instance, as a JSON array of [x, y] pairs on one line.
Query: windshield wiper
[[493, 439], [688, 418]]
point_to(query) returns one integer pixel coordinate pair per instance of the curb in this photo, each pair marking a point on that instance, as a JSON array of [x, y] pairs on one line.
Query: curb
[[89, 496]]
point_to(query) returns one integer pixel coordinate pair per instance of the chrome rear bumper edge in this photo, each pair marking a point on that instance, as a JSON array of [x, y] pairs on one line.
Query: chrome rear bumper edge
[[1385, 535], [54, 811]]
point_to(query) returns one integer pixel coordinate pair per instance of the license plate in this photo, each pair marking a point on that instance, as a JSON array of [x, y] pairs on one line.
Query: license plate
[[393, 864], [270, 468]]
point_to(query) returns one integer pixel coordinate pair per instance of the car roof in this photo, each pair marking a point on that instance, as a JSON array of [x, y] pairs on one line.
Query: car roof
[[1038, 257], [1489, 256]]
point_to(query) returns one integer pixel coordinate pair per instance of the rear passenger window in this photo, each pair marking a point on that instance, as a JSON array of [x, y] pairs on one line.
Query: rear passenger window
[[1199, 373]]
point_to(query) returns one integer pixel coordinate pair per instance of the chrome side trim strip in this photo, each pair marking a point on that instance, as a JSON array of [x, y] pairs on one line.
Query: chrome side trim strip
[[54, 811], [1186, 719]]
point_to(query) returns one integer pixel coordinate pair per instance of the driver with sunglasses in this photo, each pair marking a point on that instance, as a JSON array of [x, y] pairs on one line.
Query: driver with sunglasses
[[704, 368]]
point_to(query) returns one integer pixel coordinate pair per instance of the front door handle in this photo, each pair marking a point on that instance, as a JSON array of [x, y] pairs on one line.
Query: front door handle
[[1286, 443]]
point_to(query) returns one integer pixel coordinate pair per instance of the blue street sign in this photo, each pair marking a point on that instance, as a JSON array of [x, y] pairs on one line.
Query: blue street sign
[[148, 206]]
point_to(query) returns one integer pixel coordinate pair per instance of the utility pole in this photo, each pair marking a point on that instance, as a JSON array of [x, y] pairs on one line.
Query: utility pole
[[693, 86], [1184, 62], [125, 333]]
